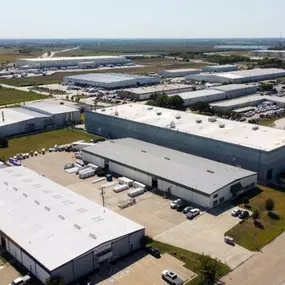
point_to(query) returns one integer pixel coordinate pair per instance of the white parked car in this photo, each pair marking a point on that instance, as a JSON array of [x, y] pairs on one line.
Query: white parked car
[[174, 203], [21, 280], [236, 212], [171, 277], [193, 213]]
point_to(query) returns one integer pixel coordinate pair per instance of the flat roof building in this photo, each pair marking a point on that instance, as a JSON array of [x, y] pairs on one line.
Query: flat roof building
[[198, 180], [111, 80], [178, 72], [69, 61], [242, 76], [252, 147], [54, 232], [219, 68], [144, 93]]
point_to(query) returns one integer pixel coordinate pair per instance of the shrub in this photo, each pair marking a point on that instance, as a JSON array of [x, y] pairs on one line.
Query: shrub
[[146, 240], [255, 215], [269, 204], [3, 142], [245, 200], [273, 215]]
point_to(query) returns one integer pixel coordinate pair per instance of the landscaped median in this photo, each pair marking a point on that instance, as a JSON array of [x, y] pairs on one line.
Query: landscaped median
[[193, 261], [44, 140], [269, 222]]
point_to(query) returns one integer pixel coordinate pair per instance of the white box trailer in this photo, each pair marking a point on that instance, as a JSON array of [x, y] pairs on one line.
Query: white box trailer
[[135, 192], [93, 166], [86, 173], [125, 180], [139, 185], [126, 203], [121, 188]]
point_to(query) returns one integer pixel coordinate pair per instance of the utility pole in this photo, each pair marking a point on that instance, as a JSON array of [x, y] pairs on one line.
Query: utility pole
[[102, 194]]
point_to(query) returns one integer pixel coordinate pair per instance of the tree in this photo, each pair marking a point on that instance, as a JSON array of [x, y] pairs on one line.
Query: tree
[[3, 142], [201, 107], [176, 102], [208, 268], [269, 204], [55, 281], [67, 97], [256, 215]]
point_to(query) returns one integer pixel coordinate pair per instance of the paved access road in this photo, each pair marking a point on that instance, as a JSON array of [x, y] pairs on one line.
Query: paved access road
[[263, 268]]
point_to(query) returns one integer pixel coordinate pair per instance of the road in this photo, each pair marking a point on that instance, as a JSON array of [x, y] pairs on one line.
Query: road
[[263, 268], [52, 53]]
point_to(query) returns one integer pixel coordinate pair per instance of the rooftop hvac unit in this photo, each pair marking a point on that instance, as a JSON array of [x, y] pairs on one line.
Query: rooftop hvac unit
[[255, 128], [158, 113], [150, 108], [198, 121], [178, 117], [222, 125], [103, 110], [172, 125], [212, 119], [117, 113]]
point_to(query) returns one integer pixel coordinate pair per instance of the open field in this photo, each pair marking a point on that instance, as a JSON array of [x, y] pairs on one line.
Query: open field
[[244, 233], [13, 96], [150, 65], [84, 52], [44, 140]]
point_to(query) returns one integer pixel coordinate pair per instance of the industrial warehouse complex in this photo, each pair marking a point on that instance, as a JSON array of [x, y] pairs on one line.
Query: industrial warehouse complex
[[54, 232], [95, 61], [178, 72], [198, 180], [255, 148], [242, 76], [36, 116], [111, 80]]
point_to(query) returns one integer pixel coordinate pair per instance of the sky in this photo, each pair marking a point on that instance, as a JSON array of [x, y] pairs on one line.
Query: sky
[[141, 19]]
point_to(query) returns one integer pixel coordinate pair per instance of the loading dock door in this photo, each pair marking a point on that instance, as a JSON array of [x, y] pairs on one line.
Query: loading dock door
[[83, 265]]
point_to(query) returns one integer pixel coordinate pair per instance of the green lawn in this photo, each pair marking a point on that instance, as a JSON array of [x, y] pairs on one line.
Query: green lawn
[[191, 259], [44, 140], [12, 96], [243, 234]]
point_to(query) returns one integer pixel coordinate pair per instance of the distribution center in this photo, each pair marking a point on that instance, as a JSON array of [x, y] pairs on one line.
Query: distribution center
[[198, 180], [111, 80], [54, 232], [252, 147], [219, 68]]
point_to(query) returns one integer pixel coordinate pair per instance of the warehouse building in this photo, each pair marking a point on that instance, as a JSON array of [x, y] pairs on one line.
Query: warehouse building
[[144, 93], [242, 76], [54, 232], [280, 54], [198, 180], [178, 72], [15, 121], [256, 148], [111, 80], [69, 61], [237, 90], [219, 68], [61, 115]]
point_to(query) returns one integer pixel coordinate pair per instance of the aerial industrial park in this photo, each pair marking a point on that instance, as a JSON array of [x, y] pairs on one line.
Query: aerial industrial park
[[144, 161]]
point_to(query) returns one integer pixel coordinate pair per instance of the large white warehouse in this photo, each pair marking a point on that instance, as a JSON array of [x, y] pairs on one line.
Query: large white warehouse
[[241, 76], [69, 61], [111, 80], [256, 148], [219, 68], [144, 93], [54, 232], [20, 121], [178, 72], [198, 180]]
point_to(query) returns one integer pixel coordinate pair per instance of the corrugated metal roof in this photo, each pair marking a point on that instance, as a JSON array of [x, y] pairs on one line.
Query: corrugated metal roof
[[52, 223], [203, 175]]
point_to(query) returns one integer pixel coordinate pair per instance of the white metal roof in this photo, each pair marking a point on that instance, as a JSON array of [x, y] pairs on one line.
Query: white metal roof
[[204, 175], [220, 66], [108, 77], [158, 88], [232, 87], [181, 70], [50, 108], [52, 223], [200, 93], [238, 133], [79, 58], [15, 115]]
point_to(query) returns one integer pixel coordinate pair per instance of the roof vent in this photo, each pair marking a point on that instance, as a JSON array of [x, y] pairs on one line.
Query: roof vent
[[47, 208], [77, 227], [103, 110], [212, 119], [210, 171], [158, 113], [167, 158], [93, 236], [14, 188], [255, 128], [178, 117], [143, 151], [198, 121], [61, 217], [117, 113], [172, 125], [222, 125], [37, 202], [25, 195], [150, 108]]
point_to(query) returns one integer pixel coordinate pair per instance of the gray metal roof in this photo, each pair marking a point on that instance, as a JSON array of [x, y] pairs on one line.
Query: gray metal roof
[[199, 93], [200, 174], [231, 87], [52, 223], [106, 77], [49, 108]]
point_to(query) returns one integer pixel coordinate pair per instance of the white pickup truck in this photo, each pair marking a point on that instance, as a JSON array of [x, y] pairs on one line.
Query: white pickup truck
[[22, 280]]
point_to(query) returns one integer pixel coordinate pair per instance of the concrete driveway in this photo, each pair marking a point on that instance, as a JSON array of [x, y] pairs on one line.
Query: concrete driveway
[[206, 235], [264, 268]]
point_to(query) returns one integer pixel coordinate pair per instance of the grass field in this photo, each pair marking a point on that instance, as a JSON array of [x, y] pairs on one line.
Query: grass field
[[191, 259], [44, 140], [150, 65], [84, 52], [12, 96], [243, 234]]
